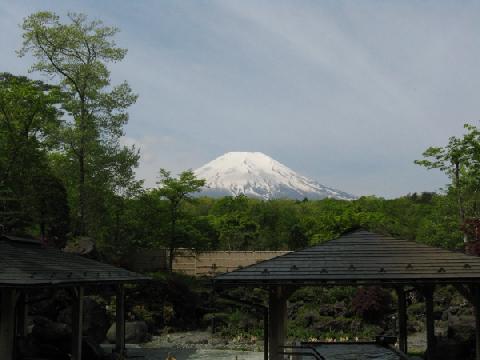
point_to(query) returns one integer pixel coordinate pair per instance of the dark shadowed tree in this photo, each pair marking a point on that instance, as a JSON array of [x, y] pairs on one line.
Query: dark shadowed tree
[[29, 127], [29, 121]]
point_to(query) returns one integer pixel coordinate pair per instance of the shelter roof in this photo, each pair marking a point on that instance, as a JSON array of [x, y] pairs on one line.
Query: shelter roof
[[361, 257], [26, 262]]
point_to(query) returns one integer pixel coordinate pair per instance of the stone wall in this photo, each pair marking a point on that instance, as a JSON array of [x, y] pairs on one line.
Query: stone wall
[[207, 263]]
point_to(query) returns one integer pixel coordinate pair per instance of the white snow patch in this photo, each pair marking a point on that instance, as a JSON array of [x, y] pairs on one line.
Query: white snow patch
[[258, 175]]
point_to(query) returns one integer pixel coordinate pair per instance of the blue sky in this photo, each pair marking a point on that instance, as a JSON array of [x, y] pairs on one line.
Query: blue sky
[[349, 93]]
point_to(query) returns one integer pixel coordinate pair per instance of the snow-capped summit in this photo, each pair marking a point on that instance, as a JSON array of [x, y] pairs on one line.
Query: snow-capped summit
[[258, 175]]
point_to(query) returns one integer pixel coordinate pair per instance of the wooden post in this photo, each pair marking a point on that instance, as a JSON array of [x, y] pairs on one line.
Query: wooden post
[[7, 323], [277, 322], [402, 320], [297, 356], [22, 315], [265, 334], [120, 320], [77, 324], [476, 307], [430, 322]]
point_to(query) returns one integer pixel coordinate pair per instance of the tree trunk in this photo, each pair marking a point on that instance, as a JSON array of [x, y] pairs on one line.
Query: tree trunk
[[81, 193], [172, 239], [81, 161], [460, 200]]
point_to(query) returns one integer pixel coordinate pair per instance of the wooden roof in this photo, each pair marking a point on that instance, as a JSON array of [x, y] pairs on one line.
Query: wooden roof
[[361, 257], [25, 262]]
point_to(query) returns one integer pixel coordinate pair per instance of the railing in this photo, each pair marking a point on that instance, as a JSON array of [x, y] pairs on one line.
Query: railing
[[301, 350]]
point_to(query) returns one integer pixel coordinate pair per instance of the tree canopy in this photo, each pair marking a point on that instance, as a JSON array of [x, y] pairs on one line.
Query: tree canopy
[[93, 161], [176, 191]]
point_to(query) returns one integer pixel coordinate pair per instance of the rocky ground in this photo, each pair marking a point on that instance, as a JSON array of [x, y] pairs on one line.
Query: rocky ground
[[204, 345], [203, 340]]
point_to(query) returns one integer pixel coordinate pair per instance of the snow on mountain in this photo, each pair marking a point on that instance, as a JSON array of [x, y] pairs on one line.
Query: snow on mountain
[[258, 175]]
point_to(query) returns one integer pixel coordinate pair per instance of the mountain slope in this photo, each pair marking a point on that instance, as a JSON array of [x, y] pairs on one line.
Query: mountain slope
[[258, 175]]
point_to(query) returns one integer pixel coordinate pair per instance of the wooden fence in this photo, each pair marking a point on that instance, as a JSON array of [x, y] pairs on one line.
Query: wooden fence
[[207, 263]]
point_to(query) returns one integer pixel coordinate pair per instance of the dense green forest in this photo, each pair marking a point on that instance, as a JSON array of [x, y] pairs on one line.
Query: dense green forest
[[64, 173]]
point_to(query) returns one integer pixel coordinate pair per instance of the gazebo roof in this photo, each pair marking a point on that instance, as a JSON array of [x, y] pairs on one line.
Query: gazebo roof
[[361, 257], [25, 263]]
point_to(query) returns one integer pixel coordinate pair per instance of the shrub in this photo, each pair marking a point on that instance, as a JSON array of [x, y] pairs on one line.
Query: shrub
[[372, 303]]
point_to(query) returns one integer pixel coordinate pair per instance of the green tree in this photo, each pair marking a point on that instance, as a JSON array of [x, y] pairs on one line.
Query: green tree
[[29, 123], [28, 119], [77, 53], [460, 161], [297, 238], [50, 209], [237, 231], [177, 191]]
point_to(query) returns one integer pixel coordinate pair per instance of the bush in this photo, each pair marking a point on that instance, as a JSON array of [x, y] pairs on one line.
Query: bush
[[416, 310], [372, 303]]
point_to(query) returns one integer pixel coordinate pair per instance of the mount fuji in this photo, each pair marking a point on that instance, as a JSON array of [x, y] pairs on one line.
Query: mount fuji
[[257, 175]]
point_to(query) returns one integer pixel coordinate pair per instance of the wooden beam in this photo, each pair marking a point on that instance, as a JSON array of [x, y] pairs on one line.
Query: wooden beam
[[22, 314], [265, 334], [77, 324], [402, 320], [277, 322], [430, 321], [120, 320], [7, 323], [475, 301]]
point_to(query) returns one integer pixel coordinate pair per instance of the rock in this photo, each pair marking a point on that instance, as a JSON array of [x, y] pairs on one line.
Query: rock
[[218, 342], [95, 319], [51, 352], [26, 347], [461, 328], [136, 332], [82, 245], [50, 332], [30, 347], [91, 350], [415, 326], [450, 349], [48, 302]]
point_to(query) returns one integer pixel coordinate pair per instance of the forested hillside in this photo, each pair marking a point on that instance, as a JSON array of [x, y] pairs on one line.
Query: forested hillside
[[241, 223]]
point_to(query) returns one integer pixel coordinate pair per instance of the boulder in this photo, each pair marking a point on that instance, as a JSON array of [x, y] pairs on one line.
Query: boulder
[[46, 346], [449, 349], [95, 319], [27, 347], [461, 328], [82, 245], [50, 332], [136, 332], [91, 350]]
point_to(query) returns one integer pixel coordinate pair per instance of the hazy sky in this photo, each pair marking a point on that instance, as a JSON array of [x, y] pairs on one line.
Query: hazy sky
[[349, 93]]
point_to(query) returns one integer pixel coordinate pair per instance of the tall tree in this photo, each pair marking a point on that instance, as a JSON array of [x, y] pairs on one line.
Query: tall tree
[[29, 123], [29, 119], [460, 161], [77, 53], [177, 191]]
